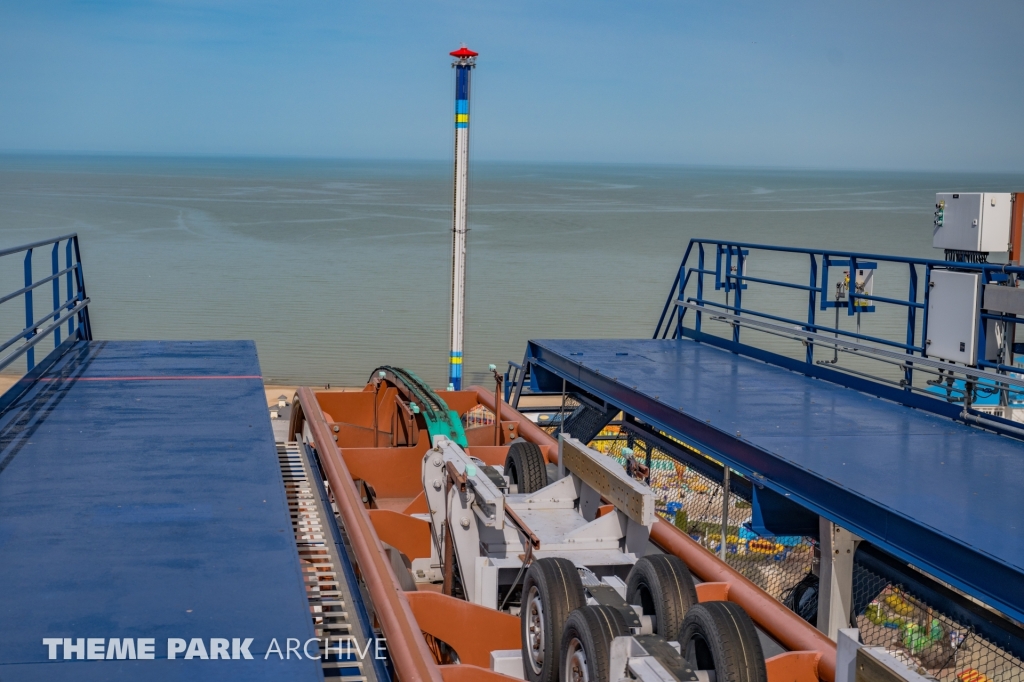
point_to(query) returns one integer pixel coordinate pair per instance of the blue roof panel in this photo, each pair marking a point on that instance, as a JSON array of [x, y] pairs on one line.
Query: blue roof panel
[[936, 492], [141, 497]]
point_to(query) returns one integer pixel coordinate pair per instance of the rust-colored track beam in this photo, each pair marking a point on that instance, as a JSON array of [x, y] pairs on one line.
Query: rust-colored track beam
[[788, 628], [409, 653], [473, 673], [472, 630]]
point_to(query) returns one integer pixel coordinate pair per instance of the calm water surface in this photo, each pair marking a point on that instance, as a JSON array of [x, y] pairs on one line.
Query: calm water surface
[[336, 267]]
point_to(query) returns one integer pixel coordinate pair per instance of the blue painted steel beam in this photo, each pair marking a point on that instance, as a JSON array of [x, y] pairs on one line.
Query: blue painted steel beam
[[939, 494]]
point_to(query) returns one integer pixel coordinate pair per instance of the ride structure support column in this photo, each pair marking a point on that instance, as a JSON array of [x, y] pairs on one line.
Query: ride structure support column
[[465, 61], [835, 579]]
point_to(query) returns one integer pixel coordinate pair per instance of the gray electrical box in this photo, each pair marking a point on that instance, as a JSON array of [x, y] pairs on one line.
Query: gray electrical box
[[972, 221], [954, 308]]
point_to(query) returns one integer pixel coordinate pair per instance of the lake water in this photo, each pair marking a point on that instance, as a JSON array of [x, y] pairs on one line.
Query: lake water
[[336, 267]]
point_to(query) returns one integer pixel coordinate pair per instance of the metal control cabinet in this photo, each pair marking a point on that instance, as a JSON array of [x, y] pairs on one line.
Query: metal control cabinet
[[972, 221], [953, 313]]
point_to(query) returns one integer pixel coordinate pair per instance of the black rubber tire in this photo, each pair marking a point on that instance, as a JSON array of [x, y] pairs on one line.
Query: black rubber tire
[[662, 585], [525, 467], [587, 640], [720, 636], [556, 584]]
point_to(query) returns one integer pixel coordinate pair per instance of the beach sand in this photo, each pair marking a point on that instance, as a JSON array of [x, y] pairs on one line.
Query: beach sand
[[273, 391], [6, 381]]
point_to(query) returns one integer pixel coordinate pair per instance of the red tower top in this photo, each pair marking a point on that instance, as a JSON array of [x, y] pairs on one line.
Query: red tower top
[[464, 52]]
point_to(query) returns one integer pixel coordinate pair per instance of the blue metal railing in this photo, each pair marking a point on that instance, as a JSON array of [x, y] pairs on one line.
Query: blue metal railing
[[723, 264], [70, 308]]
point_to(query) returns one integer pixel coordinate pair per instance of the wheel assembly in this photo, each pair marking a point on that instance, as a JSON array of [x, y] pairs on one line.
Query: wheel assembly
[[720, 636], [585, 651], [662, 586], [526, 468], [552, 590]]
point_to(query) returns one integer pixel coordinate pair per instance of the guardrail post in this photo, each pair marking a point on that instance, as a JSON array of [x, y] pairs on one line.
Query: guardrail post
[[70, 286], [55, 258], [811, 296], [738, 284], [908, 374], [851, 290], [84, 326], [677, 295], [30, 356], [700, 285]]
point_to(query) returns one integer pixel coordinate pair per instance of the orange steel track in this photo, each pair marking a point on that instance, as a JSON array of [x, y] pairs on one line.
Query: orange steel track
[[340, 427]]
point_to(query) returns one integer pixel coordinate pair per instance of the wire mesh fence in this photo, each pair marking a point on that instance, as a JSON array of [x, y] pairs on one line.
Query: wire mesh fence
[[477, 416], [693, 502], [890, 615], [887, 614]]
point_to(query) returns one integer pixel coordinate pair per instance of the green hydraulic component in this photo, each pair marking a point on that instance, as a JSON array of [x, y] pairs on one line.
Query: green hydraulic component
[[440, 420]]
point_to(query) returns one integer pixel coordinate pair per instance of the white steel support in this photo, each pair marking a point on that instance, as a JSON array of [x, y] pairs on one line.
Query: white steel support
[[847, 644], [459, 257], [835, 579]]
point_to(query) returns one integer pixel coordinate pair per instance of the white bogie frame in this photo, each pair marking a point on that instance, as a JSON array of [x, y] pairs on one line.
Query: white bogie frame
[[490, 550]]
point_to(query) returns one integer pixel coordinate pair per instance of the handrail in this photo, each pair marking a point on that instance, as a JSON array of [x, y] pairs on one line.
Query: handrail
[[25, 290], [824, 254], [863, 256], [72, 307], [42, 335], [800, 335], [832, 330], [722, 266], [34, 245]]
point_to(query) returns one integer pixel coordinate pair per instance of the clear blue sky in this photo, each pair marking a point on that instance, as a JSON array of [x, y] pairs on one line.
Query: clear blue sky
[[859, 84]]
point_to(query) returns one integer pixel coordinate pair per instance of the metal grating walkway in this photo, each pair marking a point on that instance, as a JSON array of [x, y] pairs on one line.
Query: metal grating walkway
[[330, 596]]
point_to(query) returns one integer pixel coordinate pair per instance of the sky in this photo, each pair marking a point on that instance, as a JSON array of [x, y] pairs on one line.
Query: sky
[[859, 84]]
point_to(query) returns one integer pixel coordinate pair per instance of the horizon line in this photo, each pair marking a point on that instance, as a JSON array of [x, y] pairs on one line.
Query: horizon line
[[437, 160]]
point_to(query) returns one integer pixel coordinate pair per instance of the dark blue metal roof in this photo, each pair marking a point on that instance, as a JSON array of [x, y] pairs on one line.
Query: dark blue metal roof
[[945, 496], [141, 497]]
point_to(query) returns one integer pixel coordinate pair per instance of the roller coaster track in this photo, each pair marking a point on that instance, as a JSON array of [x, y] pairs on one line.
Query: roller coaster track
[[441, 421]]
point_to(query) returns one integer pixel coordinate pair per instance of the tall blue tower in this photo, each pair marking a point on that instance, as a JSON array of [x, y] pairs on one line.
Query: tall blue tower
[[465, 61]]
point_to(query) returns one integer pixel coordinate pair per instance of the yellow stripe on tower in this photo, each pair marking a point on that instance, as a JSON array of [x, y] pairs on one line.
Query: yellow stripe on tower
[[456, 361], [462, 118]]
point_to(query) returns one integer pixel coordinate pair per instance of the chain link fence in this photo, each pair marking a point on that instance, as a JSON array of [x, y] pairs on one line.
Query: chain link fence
[[692, 500], [890, 615]]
